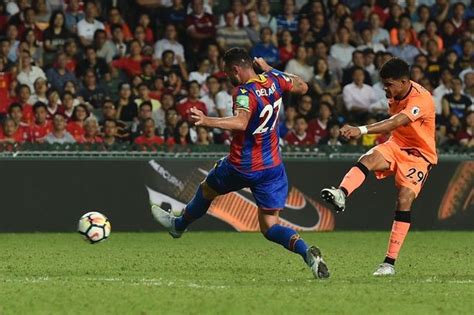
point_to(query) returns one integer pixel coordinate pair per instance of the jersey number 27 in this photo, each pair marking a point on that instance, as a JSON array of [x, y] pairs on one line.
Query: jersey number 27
[[267, 113]]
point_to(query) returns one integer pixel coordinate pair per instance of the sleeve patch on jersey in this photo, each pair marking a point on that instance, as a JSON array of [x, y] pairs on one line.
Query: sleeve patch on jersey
[[242, 101], [415, 111], [243, 91]]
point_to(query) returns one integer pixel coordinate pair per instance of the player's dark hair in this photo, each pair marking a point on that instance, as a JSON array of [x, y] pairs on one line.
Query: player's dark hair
[[396, 69], [237, 57]]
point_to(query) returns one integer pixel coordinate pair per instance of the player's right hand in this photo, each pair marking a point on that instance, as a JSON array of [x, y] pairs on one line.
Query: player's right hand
[[262, 64], [198, 117], [349, 132]]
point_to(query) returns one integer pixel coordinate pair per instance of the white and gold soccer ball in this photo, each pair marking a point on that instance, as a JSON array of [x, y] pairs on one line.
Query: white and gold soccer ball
[[94, 227]]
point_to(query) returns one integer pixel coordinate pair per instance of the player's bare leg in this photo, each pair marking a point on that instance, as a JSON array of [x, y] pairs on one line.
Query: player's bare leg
[[195, 209], [400, 228], [290, 239], [371, 161]]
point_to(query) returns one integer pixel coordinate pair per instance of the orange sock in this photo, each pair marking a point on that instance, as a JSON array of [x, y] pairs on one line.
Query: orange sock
[[400, 228], [354, 178]]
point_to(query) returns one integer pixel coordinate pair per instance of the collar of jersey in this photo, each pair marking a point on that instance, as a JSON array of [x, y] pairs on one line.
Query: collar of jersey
[[260, 79]]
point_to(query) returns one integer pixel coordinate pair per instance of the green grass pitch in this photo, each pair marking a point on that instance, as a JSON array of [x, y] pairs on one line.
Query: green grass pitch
[[232, 273]]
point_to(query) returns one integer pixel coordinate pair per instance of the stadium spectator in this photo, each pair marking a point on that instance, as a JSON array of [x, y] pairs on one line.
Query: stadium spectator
[[266, 49], [145, 111], [210, 96], [444, 87], [289, 122], [379, 34], [91, 132], [254, 27], [456, 102], [201, 74], [318, 127], [55, 36], [149, 137], [299, 134], [73, 15], [28, 73], [167, 66], [41, 126], [358, 96], [169, 42], [403, 50], [59, 133], [287, 20], [185, 105], [41, 88], [368, 43], [356, 63], [104, 47], [76, 126], [10, 132], [200, 27], [59, 74], [31, 43], [342, 51], [305, 107], [91, 61], [299, 66], [172, 118], [92, 92], [115, 18], [204, 137], [466, 136], [24, 97], [182, 134], [423, 15], [333, 138], [231, 35], [15, 112], [265, 17], [286, 49], [144, 96], [67, 106], [109, 138], [53, 103], [89, 24]]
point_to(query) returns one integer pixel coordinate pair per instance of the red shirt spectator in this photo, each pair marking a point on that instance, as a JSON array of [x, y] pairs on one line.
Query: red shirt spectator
[[183, 108], [199, 25], [300, 136], [5, 81], [294, 139], [11, 133], [318, 129], [149, 141], [76, 129], [37, 132]]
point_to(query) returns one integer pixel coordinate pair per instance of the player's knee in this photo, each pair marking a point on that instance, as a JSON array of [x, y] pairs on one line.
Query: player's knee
[[368, 161], [207, 192], [405, 199]]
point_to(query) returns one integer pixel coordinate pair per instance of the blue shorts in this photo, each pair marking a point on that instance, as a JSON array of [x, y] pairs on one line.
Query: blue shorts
[[269, 187]]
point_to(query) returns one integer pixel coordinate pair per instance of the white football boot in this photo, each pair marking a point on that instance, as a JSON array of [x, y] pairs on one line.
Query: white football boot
[[166, 219], [335, 197], [385, 269], [315, 261]]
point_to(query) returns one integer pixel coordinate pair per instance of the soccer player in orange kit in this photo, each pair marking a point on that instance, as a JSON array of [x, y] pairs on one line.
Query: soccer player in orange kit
[[409, 154]]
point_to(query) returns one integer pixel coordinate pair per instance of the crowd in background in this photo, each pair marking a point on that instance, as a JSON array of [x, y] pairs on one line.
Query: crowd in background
[[111, 72]]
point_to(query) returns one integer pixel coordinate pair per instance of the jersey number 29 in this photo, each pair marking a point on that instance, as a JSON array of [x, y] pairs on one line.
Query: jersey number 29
[[267, 113]]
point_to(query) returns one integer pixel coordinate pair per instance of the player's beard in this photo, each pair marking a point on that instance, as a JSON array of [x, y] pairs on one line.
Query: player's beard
[[234, 81]]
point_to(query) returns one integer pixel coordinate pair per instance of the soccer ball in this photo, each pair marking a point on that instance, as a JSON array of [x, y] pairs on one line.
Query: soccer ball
[[94, 227]]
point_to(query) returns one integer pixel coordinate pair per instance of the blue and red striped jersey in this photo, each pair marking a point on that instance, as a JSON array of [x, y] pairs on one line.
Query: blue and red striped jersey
[[256, 148]]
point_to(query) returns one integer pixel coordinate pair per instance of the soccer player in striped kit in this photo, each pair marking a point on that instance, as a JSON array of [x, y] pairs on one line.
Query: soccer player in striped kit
[[254, 160]]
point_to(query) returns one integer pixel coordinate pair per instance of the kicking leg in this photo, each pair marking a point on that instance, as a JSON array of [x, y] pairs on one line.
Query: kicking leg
[[372, 161], [400, 228], [290, 239], [195, 209]]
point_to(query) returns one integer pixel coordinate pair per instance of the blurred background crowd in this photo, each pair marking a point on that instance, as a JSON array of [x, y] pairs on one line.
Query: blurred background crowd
[[114, 72]]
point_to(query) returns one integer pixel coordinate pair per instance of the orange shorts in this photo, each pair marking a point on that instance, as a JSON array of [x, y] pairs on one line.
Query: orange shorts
[[408, 166]]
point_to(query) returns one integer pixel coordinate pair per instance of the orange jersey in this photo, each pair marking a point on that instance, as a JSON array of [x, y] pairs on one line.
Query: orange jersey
[[419, 107]]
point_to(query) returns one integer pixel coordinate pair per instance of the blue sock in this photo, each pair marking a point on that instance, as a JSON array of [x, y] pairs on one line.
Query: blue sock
[[195, 209], [287, 238]]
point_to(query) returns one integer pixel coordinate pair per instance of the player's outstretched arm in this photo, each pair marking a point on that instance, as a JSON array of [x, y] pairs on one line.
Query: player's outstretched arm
[[237, 122], [299, 86], [383, 126]]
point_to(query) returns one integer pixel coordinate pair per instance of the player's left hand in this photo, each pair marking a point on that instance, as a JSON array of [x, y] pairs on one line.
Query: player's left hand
[[349, 132], [198, 117]]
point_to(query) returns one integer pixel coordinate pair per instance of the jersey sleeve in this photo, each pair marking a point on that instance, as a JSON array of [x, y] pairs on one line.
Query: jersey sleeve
[[244, 100], [416, 108], [285, 82]]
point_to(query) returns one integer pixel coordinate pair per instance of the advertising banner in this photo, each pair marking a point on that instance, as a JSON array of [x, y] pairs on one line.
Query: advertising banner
[[51, 195]]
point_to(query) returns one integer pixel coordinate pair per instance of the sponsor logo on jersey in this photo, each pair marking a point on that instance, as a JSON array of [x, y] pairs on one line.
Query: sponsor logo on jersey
[[415, 111]]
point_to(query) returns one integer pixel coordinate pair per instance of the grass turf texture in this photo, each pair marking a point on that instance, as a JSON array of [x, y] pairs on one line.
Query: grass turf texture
[[232, 273]]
